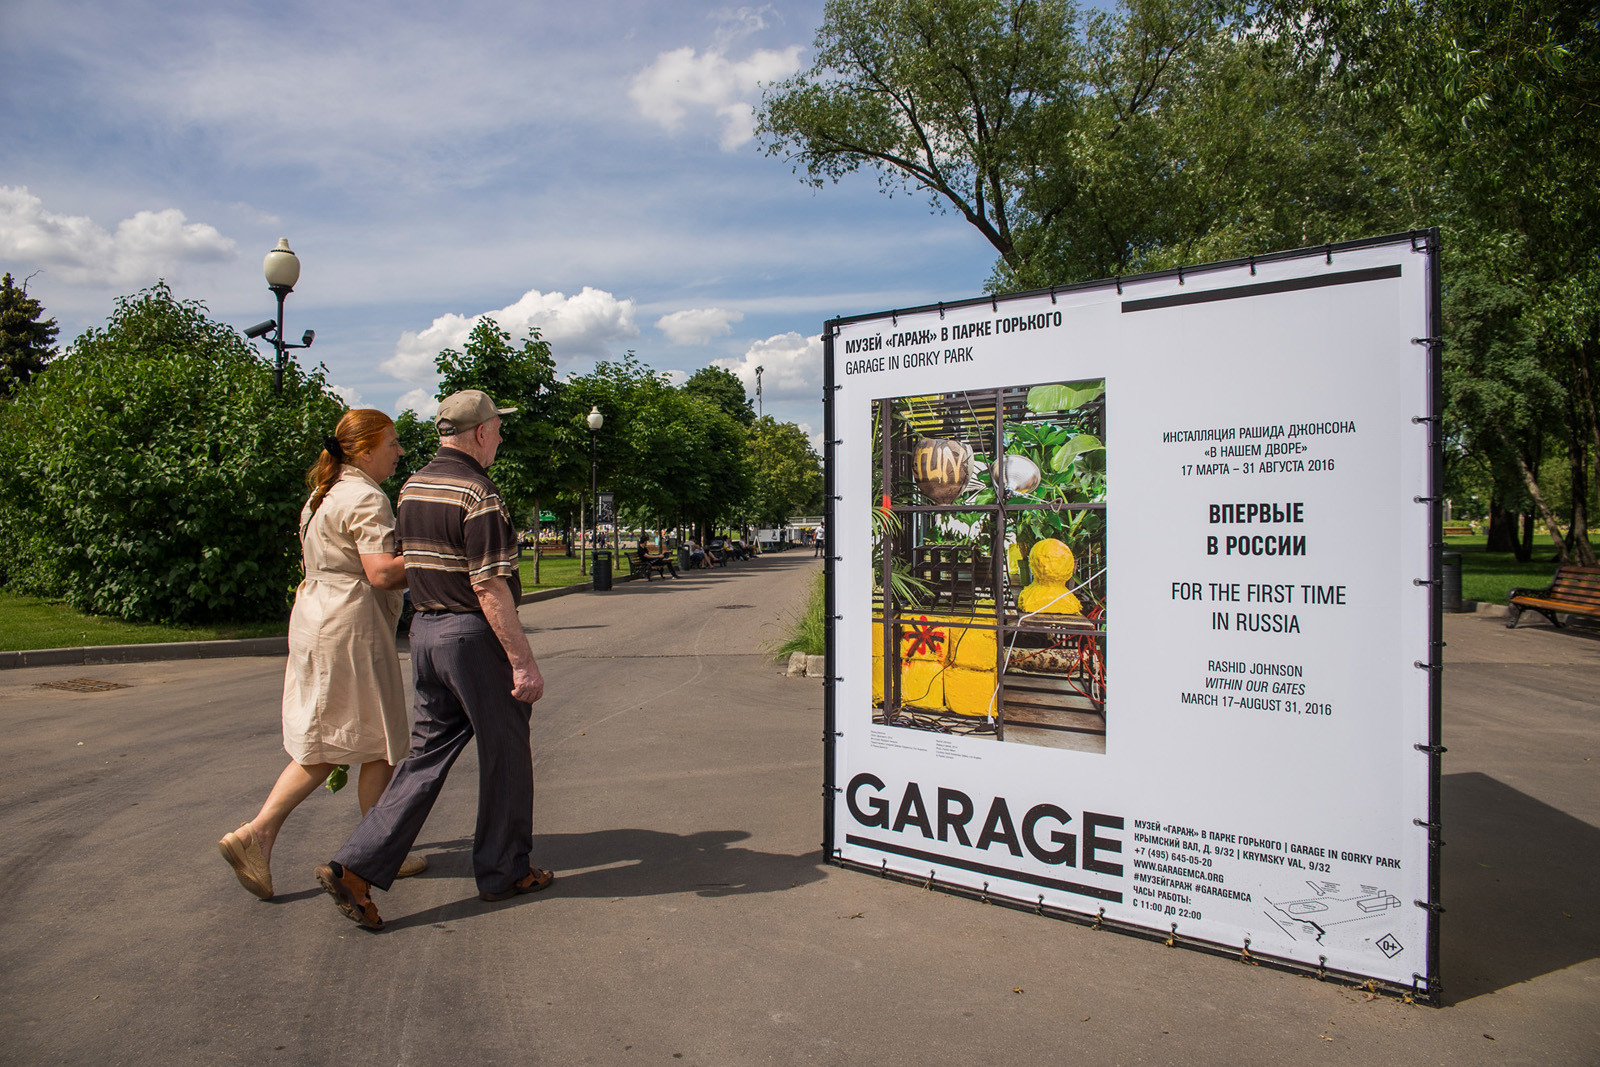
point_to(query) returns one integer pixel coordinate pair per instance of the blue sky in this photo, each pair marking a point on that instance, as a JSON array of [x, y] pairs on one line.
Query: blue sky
[[586, 168]]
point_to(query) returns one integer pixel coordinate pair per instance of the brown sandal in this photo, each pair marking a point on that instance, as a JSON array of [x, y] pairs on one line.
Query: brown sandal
[[535, 880], [352, 894]]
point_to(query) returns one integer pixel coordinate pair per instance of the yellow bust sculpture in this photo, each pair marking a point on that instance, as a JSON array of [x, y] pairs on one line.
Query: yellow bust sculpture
[[1052, 564]]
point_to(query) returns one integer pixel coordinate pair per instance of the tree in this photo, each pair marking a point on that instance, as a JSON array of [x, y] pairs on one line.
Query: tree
[[152, 474], [786, 474], [723, 388], [1035, 128], [27, 342], [420, 439], [1497, 104], [536, 458], [668, 454]]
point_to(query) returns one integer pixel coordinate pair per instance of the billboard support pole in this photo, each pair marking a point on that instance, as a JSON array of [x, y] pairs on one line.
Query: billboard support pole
[[1430, 988], [830, 597]]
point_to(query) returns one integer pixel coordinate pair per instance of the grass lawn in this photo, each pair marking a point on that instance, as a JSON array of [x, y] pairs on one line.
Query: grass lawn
[[1487, 576], [28, 622], [554, 572]]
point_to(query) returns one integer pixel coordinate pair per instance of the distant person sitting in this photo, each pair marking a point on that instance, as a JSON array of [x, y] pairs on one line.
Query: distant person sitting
[[648, 559], [697, 556]]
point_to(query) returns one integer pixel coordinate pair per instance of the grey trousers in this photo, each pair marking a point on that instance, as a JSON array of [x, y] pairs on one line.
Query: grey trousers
[[463, 690]]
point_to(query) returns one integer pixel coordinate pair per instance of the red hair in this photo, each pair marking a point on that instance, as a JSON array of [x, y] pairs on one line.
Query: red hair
[[359, 431]]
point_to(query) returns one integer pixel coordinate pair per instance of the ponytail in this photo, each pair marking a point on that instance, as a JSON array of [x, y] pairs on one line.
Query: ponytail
[[359, 432]]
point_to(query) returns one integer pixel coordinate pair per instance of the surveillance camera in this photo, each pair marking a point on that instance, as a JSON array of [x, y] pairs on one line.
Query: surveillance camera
[[307, 337], [259, 329]]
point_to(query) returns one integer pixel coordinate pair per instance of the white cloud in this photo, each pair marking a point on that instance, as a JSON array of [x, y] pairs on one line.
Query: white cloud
[[683, 80], [696, 326], [584, 324], [791, 366], [422, 401], [143, 248], [351, 398]]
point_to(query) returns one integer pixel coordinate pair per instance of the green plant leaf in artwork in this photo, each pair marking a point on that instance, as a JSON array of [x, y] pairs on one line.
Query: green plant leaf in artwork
[[1076, 446], [1043, 399]]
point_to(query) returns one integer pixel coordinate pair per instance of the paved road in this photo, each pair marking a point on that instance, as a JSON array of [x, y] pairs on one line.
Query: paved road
[[679, 795]]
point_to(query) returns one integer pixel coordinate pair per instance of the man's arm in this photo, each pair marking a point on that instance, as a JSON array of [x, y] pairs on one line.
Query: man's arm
[[494, 597]]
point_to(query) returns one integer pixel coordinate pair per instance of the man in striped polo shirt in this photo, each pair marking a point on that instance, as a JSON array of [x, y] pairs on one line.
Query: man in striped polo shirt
[[475, 673]]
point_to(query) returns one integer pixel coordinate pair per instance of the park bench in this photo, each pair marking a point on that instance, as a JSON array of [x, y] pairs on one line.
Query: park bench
[[630, 560], [1458, 530], [1574, 590], [714, 557]]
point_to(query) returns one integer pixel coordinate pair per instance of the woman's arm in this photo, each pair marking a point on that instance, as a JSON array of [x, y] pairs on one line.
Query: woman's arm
[[384, 571]]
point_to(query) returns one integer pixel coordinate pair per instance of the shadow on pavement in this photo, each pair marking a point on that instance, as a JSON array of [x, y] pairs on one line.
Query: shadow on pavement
[[1518, 885], [625, 863]]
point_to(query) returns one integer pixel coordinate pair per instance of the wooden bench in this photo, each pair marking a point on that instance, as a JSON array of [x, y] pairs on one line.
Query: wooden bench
[[630, 560], [1458, 530], [1574, 590]]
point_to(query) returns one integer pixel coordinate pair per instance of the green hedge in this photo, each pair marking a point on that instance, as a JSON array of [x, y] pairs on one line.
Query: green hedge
[[151, 473]]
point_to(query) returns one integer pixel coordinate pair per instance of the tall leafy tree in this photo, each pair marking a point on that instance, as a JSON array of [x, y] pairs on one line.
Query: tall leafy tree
[[420, 440], [1497, 106], [27, 340], [670, 455], [153, 474], [723, 388], [786, 473], [1034, 124], [536, 459]]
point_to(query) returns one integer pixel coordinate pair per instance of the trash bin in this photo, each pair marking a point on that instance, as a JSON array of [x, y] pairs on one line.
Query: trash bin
[[602, 570], [683, 559], [1450, 574]]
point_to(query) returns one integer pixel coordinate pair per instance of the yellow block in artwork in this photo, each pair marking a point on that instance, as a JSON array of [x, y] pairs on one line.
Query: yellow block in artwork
[[970, 692], [970, 648], [877, 679], [922, 684]]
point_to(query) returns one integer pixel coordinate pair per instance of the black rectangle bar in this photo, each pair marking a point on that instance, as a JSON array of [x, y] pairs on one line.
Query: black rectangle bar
[[983, 868], [1288, 285]]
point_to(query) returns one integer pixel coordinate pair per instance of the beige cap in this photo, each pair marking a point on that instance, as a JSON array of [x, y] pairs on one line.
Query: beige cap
[[465, 410]]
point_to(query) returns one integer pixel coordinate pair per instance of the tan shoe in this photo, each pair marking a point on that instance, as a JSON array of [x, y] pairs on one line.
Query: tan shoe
[[415, 863], [248, 864]]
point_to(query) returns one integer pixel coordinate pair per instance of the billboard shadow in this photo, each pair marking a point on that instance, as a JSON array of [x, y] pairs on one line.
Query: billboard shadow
[[1518, 886]]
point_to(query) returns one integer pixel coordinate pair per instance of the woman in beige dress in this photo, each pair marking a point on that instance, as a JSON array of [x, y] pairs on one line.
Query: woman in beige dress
[[343, 698]]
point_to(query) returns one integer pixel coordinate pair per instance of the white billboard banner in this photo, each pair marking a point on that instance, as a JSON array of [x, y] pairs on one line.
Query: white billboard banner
[[1158, 647]]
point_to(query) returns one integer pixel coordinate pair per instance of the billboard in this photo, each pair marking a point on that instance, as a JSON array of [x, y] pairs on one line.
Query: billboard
[[1135, 606]]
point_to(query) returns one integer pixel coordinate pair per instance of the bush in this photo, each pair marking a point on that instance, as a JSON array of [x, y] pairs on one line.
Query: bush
[[151, 474]]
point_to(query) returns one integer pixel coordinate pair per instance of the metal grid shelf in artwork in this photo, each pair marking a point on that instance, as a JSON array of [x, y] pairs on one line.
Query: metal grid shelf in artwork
[[952, 498]]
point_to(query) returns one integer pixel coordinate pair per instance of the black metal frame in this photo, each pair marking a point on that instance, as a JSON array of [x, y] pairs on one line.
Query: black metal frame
[[1426, 989]]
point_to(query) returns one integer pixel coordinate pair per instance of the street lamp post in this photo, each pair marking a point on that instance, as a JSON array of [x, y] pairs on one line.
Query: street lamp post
[[596, 420], [758, 391], [282, 269]]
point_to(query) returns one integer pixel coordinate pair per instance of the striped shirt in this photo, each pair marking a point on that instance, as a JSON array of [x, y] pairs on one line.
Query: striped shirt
[[454, 530]]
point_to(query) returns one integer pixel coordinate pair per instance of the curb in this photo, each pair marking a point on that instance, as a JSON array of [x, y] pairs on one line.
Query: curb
[[167, 650], [175, 650]]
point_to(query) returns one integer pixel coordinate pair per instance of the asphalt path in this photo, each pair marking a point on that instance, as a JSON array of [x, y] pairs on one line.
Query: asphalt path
[[693, 921]]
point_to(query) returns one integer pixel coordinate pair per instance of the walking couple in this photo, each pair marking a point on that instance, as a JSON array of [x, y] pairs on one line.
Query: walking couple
[[474, 672]]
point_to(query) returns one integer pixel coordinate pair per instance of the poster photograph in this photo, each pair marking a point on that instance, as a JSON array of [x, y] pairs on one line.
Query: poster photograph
[[1231, 471], [1031, 526]]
